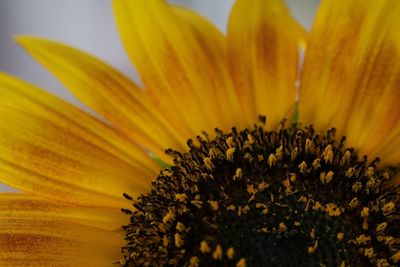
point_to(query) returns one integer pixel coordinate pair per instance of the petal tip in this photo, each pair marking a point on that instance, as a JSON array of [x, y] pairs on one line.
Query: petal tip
[[22, 40]]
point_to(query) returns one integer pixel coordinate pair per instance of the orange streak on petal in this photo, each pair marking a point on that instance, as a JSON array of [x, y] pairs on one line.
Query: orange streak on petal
[[56, 243]]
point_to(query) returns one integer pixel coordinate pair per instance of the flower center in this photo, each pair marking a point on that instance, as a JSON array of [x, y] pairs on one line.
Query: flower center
[[291, 197]]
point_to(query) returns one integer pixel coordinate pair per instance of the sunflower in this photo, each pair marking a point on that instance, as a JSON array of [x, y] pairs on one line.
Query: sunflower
[[310, 183]]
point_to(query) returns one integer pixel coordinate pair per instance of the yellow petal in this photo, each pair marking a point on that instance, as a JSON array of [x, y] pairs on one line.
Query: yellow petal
[[16, 93], [22, 206], [171, 63], [352, 73], [37, 242], [214, 46], [106, 91], [263, 47], [50, 148]]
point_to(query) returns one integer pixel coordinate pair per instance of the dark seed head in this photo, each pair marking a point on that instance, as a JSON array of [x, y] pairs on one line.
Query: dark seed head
[[291, 197]]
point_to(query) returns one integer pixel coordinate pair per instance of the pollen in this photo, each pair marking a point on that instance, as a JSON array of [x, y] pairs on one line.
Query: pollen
[[326, 177], [230, 253], [194, 262], [229, 142], [241, 263], [346, 158], [354, 203], [204, 248], [282, 227], [165, 241], [396, 257], [340, 236], [328, 154], [272, 160], [181, 197], [318, 206], [208, 163], [381, 227], [365, 212], [251, 190], [178, 240], [213, 204], [388, 208], [168, 217], [217, 255], [290, 197], [303, 167], [350, 172], [382, 263], [180, 227], [363, 240], [332, 209], [279, 153], [238, 174], [369, 252], [312, 249], [230, 152], [250, 139], [309, 146]]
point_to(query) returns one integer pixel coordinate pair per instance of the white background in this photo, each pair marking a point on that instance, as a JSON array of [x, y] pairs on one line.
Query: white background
[[89, 25]]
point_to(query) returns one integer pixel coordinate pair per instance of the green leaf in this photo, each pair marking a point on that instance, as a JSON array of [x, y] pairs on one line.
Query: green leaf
[[296, 113], [159, 161]]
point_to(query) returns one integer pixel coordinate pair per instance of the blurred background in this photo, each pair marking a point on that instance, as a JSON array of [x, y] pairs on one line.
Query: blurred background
[[89, 25]]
